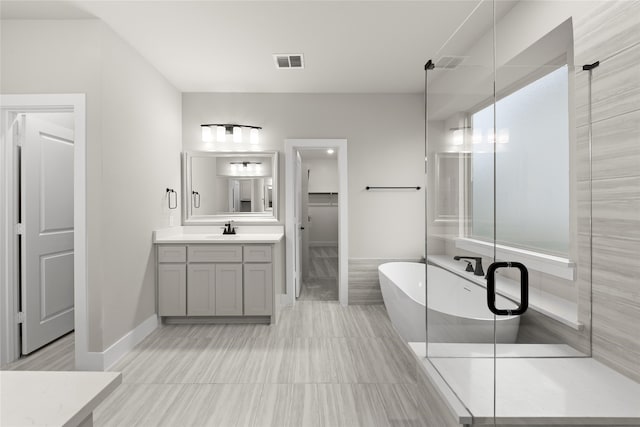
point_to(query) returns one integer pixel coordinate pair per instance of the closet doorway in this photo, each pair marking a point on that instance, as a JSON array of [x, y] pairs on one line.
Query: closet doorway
[[319, 213], [316, 219]]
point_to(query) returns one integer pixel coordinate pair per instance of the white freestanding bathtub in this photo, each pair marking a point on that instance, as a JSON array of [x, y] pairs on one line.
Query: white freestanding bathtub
[[458, 310]]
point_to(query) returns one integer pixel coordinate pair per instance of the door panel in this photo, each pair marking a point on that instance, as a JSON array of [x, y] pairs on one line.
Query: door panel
[[57, 184], [229, 290], [47, 243], [305, 222], [258, 289], [58, 293], [201, 290], [172, 289], [461, 331], [298, 223]]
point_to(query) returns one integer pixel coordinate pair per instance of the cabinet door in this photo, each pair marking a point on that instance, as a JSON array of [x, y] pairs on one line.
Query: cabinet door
[[172, 290], [257, 253], [172, 253], [215, 253], [201, 290], [228, 290], [258, 289]]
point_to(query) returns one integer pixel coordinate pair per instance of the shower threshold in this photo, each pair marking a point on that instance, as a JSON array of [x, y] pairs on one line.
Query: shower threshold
[[550, 390]]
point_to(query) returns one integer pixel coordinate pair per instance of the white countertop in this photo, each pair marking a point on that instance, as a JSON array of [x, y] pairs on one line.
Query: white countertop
[[30, 398], [213, 234]]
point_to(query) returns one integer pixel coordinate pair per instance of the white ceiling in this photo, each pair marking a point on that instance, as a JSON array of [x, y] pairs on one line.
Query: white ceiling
[[227, 46]]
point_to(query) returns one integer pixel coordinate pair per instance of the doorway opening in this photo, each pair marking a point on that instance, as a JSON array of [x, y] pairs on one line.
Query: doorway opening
[[319, 215], [43, 224], [316, 219]]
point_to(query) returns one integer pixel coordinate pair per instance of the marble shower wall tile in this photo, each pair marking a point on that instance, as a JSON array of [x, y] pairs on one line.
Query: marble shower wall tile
[[616, 144], [610, 34], [606, 30]]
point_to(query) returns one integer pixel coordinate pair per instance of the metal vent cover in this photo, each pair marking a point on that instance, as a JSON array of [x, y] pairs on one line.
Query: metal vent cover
[[289, 60], [449, 62]]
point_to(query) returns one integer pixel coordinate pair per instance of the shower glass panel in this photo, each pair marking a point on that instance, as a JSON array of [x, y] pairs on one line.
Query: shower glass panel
[[540, 203], [508, 184], [461, 330]]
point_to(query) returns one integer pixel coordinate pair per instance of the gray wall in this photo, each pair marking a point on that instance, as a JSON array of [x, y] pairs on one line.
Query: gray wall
[[385, 148], [133, 155], [384, 134]]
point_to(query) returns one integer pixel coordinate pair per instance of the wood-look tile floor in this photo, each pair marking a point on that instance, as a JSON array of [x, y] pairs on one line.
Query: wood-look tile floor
[[57, 356], [321, 365], [321, 284]]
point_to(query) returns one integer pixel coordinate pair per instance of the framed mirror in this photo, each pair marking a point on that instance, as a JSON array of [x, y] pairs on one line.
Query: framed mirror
[[223, 186]]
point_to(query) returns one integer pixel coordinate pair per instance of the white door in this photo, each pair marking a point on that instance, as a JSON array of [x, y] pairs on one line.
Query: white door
[[234, 195], [297, 216], [306, 222], [46, 175]]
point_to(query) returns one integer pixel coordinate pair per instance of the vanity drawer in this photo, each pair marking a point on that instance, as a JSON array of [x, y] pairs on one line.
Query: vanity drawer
[[257, 253], [172, 254], [215, 253]]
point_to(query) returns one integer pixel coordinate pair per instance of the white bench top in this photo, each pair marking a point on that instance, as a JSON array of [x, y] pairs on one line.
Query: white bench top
[[47, 398], [544, 391]]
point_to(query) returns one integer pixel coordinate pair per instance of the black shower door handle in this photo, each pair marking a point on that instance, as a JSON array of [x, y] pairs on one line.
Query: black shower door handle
[[491, 288]]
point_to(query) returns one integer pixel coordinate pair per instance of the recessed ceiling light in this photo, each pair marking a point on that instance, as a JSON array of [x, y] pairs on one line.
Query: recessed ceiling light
[[330, 151]]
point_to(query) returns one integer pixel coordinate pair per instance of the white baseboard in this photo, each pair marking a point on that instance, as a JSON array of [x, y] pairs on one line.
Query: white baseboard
[[89, 361], [323, 243], [285, 300], [125, 344]]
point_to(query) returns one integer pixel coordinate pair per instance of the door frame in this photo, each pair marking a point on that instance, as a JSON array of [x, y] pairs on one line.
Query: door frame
[[10, 107], [291, 147]]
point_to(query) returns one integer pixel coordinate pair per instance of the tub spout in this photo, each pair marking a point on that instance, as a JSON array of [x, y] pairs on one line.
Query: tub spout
[[478, 271]]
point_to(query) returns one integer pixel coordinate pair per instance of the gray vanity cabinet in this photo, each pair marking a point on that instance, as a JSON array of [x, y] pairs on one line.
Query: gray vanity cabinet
[[229, 290], [258, 289], [258, 280], [172, 281], [172, 290], [201, 290], [219, 280]]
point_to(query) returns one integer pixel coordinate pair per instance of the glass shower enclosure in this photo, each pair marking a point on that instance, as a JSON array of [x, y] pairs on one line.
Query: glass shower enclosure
[[507, 208]]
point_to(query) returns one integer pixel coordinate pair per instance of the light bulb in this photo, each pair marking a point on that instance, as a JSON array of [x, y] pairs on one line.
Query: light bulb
[[330, 151], [221, 133], [207, 135], [237, 134], [254, 136]]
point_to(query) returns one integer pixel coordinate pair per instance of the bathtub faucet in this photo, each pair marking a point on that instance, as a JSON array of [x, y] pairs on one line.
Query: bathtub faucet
[[478, 271]]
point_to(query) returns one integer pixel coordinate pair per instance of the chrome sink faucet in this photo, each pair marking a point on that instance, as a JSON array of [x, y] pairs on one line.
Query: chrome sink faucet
[[477, 271]]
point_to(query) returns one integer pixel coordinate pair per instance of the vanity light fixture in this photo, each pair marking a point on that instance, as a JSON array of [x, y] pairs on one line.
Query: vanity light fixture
[[207, 135], [254, 136], [224, 129], [221, 133], [237, 134], [330, 151]]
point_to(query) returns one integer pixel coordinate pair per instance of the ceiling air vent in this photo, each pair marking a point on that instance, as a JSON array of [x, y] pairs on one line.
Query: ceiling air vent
[[289, 60], [449, 62]]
